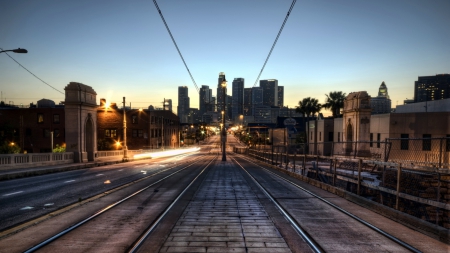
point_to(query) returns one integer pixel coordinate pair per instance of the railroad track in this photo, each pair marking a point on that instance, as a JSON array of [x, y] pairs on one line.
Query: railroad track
[[135, 196], [314, 244]]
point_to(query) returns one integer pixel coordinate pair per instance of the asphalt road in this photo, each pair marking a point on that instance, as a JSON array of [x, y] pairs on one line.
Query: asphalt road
[[26, 198]]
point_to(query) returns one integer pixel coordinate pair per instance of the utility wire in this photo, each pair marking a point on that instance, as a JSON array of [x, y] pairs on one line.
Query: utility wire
[[32, 73], [173, 40], [275, 42]]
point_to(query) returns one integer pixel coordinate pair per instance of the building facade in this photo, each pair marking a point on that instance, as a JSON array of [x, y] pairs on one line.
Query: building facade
[[237, 98], [248, 102], [31, 128], [280, 96], [270, 91], [428, 88], [183, 103], [206, 103], [220, 95]]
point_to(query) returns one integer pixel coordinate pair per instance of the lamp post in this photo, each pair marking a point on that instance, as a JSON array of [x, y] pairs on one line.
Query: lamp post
[[224, 133], [125, 149], [19, 51]]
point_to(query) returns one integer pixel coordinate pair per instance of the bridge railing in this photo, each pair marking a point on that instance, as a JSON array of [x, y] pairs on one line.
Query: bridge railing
[[34, 159], [420, 191]]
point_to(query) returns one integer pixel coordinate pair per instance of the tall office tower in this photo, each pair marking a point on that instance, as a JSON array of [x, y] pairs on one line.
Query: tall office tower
[[428, 88], [167, 104], [206, 102], [280, 96], [257, 98], [237, 98], [248, 102], [229, 106], [220, 105], [213, 104], [270, 91], [381, 103], [183, 104]]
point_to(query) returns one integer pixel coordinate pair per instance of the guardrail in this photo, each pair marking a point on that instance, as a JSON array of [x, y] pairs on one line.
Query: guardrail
[[25, 160], [423, 192]]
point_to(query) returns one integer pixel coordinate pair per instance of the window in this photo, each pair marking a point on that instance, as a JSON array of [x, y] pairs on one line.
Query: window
[[46, 133], [134, 119], [56, 118], [56, 133], [28, 132], [426, 142], [311, 135], [378, 140], [140, 133], [134, 133], [371, 139], [339, 137], [404, 142], [40, 118], [320, 136], [110, 133]]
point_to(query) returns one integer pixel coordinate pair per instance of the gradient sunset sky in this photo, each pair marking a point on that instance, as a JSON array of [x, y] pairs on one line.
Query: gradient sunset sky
[[122, 48]]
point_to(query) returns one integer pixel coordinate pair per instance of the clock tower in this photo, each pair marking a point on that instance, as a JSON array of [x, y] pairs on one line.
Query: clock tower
[[383, 91]]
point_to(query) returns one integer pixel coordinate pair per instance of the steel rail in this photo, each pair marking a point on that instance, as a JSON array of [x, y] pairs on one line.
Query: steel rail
[[101, 211], [306, 237], [373, 227], [144, 235]]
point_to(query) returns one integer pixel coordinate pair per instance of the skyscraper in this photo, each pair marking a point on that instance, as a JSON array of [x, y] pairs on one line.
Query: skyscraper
[[206, 103], [183, 103], [257, 98], [220, 101], [270, 91], [428, 88], [237, 98], [248, 101], [229, 106], [280, 96]]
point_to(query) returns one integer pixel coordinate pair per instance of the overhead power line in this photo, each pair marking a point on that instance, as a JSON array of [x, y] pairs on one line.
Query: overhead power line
[[173, 40], [32, 73], [275, 42]]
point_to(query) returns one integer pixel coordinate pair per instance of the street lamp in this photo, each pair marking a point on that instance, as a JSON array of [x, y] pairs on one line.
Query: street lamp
[[19, 51], [224, 133]]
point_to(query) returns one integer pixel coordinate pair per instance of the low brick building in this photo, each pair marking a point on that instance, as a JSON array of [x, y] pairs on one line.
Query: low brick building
[[146, 129], [30, 128]]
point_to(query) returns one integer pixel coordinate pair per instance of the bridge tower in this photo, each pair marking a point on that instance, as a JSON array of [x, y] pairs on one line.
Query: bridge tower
[[81, 121]]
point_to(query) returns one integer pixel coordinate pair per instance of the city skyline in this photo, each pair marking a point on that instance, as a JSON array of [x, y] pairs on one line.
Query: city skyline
[[124, 50]]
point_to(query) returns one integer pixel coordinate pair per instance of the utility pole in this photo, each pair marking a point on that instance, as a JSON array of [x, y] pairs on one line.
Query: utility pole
[[125, 149]]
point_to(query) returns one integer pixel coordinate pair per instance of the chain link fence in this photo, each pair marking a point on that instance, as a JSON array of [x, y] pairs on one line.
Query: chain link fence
[[423, 192]]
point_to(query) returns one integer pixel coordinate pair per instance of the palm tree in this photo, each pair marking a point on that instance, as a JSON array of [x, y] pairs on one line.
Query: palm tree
[[308, 106], [314, 106], [334, 102]]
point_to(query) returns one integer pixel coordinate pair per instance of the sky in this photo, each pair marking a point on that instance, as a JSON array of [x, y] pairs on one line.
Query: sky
[[122, 48]]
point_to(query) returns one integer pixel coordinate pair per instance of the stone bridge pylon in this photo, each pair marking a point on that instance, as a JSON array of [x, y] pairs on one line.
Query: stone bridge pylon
[[81, 121]]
